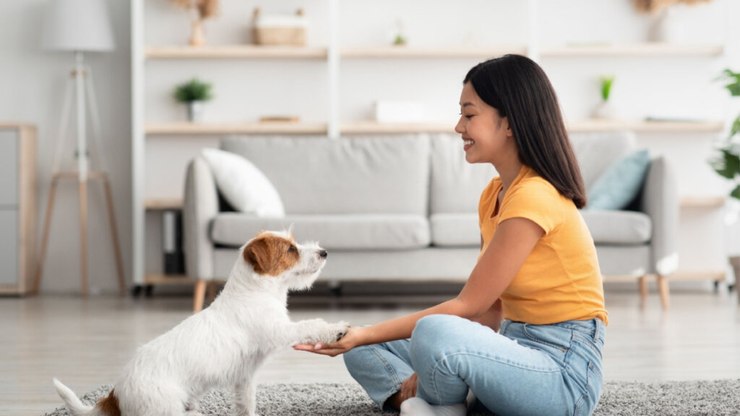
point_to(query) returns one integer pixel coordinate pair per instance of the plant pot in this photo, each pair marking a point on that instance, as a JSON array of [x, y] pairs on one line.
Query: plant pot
[[605, 111], [195, 111]]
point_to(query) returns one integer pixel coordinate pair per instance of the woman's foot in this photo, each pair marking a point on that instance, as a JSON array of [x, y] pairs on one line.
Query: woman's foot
[[418, 407]]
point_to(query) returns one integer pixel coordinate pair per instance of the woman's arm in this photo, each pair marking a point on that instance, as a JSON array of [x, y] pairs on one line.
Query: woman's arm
[[511, 244]]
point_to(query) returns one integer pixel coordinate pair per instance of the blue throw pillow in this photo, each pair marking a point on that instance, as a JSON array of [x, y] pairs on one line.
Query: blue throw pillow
[[620, 183]]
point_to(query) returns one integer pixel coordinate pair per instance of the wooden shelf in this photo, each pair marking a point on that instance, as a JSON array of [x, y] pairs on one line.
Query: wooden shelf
[[703, 201], [658, 50], [185, 128], [647, 126], [161, 204], [234, 52], [429, 53], [382, 128], [168, 279]]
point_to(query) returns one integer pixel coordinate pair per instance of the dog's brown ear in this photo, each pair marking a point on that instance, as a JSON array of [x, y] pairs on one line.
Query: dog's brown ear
[[257, 254]]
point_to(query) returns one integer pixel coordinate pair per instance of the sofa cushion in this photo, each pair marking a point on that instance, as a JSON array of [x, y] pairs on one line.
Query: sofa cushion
[[455, 230], [595, 152], [358, 175], [243, 185], [456, 184], [345, 232], [620, 183], [618, 227]]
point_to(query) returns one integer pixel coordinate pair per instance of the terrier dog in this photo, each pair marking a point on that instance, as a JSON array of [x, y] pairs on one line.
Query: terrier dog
[[226, 343]]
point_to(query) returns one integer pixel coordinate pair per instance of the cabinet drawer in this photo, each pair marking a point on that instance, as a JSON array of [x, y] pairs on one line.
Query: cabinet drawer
[[8, 246], [8, 169]]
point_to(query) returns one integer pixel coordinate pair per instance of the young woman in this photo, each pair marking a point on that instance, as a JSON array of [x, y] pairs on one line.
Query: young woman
[[525, 334]]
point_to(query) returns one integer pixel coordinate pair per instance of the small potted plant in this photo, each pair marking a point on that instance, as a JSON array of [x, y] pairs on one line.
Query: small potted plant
[[726, 161], [605, 110], [193, 94]]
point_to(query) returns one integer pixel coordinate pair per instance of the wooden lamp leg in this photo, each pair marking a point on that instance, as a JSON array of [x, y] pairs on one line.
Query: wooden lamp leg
[[83, 236], [45, 238], [114, 236]]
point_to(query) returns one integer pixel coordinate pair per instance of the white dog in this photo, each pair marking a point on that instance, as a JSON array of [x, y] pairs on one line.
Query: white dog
[[225, 344]]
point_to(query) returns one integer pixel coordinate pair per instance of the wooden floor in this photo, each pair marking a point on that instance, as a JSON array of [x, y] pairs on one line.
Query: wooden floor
[[85, 343]]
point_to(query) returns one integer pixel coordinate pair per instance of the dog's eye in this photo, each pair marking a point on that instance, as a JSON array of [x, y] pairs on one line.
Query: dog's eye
[[292, 249]]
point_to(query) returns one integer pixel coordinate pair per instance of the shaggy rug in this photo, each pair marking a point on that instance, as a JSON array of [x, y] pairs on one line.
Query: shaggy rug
[[619, 398]]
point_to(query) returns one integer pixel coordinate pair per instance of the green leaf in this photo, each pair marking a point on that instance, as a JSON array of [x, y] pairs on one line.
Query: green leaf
[[735, 129], [729, 164], [606, 87], [735, 192], [193, 90]]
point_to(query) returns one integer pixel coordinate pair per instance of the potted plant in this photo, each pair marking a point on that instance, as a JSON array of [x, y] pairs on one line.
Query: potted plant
[[199, 10], [726, 161], [193, 93], [605, 110]]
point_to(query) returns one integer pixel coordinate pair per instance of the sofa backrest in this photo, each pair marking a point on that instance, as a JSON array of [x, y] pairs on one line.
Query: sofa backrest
[[456, 184], [351, 175], [597, 151]]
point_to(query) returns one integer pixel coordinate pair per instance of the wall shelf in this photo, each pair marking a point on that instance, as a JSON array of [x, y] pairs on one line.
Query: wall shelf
[[703, 201], [658, 50], [646, 126], [234, 52], [162, 204], [186, 128], [441, 53]]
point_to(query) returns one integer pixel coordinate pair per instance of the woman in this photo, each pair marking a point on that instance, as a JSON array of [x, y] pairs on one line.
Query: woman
[[525, 333]]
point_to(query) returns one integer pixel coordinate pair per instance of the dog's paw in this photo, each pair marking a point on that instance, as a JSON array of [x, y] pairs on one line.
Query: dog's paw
[[334, 331], [341, 329]]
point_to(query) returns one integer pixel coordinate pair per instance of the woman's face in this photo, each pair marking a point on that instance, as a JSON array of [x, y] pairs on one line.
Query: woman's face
[[484, 132]]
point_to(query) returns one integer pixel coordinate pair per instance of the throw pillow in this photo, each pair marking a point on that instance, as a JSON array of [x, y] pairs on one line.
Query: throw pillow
[[620, 183], [243, 185]]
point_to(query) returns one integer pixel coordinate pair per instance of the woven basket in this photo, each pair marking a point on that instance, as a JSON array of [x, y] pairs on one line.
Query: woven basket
[[279, 30]]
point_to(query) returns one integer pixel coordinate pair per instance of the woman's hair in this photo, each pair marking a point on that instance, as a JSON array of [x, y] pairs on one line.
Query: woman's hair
[[519, 89]]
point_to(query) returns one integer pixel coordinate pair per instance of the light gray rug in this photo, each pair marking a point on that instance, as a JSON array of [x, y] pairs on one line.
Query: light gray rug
[[720, 397]]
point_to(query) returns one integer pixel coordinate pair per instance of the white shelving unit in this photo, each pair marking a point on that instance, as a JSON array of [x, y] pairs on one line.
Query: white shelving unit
[[333, 56]]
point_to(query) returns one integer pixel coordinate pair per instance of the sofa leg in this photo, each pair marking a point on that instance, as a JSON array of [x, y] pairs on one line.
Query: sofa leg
[[643, 283], [199, 295], [663, 290]]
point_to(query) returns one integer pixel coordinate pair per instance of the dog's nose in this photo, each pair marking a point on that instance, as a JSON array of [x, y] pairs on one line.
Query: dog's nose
[[323, 254]]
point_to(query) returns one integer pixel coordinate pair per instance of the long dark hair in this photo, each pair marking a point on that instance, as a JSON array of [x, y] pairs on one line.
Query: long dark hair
[[519, 89]]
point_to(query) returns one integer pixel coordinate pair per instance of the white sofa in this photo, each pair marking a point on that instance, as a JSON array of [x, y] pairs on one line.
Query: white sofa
[[405, 208]]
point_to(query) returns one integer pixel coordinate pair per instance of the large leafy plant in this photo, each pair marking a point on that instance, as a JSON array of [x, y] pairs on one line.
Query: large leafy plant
[[727, 161]]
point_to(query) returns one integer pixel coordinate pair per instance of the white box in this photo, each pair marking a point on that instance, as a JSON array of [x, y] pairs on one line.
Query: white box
[[399, 112]]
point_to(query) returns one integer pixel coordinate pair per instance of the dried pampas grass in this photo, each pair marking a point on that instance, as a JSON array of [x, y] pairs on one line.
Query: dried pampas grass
[[652, 6], [205, 8]]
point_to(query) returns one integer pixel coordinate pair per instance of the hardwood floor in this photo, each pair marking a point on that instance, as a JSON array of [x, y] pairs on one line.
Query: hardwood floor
[[85, 342]]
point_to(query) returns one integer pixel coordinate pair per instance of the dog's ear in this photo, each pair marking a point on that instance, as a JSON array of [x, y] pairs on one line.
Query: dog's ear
[[257, 254]]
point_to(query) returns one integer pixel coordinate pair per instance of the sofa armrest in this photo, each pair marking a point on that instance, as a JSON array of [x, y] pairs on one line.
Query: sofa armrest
[[660, 202], [200, 206]]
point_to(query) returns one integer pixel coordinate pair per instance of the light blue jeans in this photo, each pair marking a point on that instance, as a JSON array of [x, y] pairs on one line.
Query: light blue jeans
[[521, 370]]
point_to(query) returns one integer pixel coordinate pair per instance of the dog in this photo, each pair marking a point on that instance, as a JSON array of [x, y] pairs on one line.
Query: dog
[[223, 345]]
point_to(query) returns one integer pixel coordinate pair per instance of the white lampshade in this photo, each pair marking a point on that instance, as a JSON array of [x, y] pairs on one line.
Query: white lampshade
[[77, 25]]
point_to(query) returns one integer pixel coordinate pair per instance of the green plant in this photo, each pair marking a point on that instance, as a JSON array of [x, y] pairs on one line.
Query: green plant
[[193, 90], [727, 160], [606, 86]]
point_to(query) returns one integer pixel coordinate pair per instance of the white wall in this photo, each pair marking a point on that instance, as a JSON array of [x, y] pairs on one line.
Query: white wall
[[33, 80]]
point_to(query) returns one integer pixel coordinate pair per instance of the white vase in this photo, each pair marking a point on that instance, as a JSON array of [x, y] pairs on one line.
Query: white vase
[[604, 110], [195, 111], [666, 28]]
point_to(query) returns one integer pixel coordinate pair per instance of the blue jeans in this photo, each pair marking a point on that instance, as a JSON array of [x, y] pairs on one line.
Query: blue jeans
[[521, 370]]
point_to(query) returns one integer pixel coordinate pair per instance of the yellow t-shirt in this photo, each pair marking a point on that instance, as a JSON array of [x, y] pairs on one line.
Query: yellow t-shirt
[[560, 280]]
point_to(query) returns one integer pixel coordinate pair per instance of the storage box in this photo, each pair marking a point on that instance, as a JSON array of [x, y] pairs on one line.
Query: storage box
[[279, 30]]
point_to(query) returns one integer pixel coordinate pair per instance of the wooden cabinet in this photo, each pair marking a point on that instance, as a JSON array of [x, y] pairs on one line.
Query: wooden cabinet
[[17, 207]]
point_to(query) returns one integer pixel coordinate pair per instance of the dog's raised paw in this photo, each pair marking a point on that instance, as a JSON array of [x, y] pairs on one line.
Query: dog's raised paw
[[342, 329]]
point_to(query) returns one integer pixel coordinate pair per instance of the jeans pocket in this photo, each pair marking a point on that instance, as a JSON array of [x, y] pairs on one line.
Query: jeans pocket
[[549, 335]]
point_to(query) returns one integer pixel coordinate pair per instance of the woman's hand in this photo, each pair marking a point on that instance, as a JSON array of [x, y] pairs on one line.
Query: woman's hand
[[351, 339]]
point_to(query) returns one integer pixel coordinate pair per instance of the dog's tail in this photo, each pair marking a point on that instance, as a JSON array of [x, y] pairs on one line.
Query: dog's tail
[[75, 406]]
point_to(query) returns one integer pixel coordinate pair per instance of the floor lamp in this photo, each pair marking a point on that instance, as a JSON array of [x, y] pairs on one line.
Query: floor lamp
[[79, 26]]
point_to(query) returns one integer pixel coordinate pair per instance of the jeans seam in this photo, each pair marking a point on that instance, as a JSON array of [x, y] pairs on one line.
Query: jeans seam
[[438, 362], [391, 372]]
